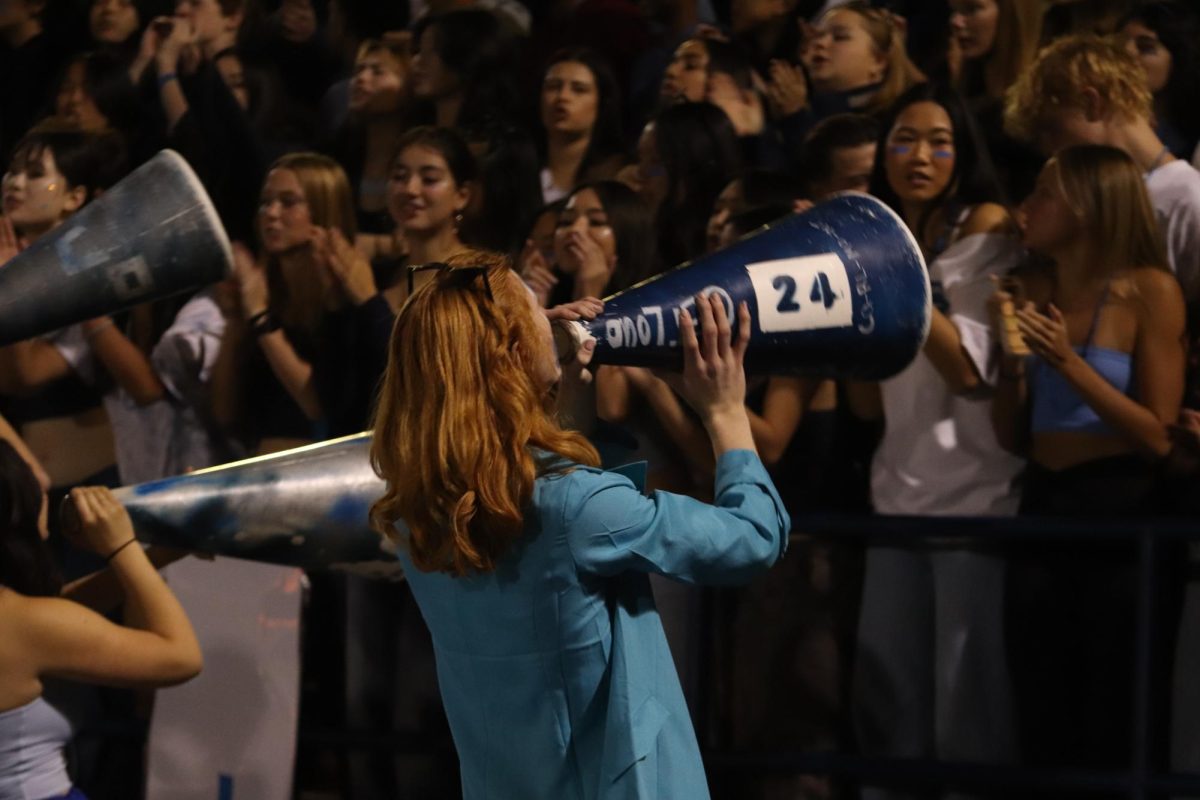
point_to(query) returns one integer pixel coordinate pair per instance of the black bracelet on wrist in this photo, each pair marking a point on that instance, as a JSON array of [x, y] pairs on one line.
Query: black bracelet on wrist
[[263, 322], [113, 554]]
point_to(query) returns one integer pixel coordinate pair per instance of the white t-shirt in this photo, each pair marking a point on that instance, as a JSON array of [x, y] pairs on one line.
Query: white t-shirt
[[550, 192], [939, 454], [72, 344], [169, 436], [1174, 189]]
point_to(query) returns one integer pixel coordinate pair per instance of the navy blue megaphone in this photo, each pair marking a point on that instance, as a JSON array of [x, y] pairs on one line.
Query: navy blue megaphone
[[838, 291], [152, 235]]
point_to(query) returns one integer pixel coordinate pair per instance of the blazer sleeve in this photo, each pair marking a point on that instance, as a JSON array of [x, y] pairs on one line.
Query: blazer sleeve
[[612, 528]]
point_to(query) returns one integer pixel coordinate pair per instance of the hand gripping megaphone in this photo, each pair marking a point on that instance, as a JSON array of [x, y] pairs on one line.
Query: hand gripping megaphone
[[154, 234], [838, 291], [305, 507]]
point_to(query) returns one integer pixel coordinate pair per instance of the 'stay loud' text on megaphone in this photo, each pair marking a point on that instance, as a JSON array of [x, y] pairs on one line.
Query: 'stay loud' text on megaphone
[[839, 291], [154, 234]]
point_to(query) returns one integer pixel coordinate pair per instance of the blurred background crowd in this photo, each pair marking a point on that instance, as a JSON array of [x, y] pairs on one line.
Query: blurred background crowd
[[1041, 152]]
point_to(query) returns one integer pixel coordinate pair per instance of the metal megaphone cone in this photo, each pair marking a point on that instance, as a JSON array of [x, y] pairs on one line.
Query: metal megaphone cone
[[154, 234], [305, 507], [838, 291]]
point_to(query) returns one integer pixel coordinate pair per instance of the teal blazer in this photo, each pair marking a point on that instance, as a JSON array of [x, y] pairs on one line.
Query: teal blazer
[[554, 668]]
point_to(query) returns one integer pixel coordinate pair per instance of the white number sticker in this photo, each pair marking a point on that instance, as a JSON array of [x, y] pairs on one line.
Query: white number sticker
[[801, 294]]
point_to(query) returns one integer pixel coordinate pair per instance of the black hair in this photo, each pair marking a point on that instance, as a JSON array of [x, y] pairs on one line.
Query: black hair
[[608, 138], [632, 230], [106, 81], [26, 564], [147, 10], [754, 218], [449, 144], [834, 133], [510, 193], [768, 187], [478, 47], [729, 59], [973, 179], [367, 19], [698, 148], [1098, 17], [1178, 28], [91, 160]]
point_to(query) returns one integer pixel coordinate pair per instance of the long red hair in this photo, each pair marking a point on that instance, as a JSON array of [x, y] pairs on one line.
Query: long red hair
[[460, 416]]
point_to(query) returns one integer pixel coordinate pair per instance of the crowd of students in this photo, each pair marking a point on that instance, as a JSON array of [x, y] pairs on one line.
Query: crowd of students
[[1041, 153]]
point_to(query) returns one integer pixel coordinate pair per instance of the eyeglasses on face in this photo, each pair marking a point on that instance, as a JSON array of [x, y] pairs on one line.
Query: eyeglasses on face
[[287, 201]]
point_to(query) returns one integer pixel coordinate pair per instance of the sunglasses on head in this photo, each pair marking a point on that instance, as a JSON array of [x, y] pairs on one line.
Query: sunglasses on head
[[466, 275]]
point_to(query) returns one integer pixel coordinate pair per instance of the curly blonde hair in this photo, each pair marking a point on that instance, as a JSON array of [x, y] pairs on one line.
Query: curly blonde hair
[[1062, 72], [461, 419]]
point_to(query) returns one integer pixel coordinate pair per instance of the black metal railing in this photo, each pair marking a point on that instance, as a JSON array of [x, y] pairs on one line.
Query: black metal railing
[[1145, 776]]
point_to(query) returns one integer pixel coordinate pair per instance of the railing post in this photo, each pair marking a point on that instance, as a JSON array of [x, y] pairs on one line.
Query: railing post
[[1143, 676]]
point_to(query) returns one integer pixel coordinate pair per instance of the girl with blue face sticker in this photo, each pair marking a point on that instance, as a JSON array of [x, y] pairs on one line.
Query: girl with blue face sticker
[[941, 457]]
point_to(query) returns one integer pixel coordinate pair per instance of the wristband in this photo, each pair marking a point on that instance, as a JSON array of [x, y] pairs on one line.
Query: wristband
[[263, 322], [166, 78], [113, 554]]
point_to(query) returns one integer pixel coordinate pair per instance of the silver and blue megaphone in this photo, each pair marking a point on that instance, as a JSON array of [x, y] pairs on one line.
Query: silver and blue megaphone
[[838, 291], [306, 507], [154, 234]]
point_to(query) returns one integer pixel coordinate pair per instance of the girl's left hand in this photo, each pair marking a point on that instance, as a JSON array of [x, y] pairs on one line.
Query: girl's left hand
[[584, 308], [10, 244], [787, 91], [349, 268], [1046, 335]]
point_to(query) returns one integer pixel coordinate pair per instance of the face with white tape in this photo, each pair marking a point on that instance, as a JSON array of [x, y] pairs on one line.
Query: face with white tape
[[36, 195]]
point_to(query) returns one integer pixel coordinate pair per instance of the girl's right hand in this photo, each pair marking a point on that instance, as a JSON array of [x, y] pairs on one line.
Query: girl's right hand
[[997, 303], [104, 524], [174, 37], [251, 280], [536, 272], [592, 269]]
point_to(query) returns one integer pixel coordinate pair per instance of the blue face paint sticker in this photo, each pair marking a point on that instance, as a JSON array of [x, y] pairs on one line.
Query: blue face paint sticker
[[900, 149], [943, 154]]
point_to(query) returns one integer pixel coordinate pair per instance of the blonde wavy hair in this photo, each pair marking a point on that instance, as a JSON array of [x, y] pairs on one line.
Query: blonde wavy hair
[[1106, 191], [461, 418], [1062, 72], [888, 40]]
